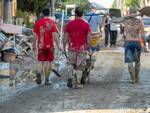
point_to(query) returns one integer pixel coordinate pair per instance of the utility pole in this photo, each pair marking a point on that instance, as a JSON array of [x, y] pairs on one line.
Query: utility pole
[[52, 7], [7, 10]]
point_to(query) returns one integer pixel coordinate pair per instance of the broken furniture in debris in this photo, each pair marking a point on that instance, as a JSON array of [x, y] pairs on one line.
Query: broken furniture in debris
[[15, 45]]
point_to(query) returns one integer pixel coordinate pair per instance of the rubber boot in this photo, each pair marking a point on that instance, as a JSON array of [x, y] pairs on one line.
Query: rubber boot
[[38, 78], [78, 76], [47, 82], [131, 72], [69, 83], [84, 76], [137, 70], [47, 73]]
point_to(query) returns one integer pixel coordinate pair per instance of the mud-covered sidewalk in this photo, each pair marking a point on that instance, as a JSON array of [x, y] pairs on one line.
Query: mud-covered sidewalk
[[109, 91]]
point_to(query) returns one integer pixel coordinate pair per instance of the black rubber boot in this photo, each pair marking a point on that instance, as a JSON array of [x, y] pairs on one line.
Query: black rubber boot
[[38, 78], [47, 82], [85, 77], [69, 83]]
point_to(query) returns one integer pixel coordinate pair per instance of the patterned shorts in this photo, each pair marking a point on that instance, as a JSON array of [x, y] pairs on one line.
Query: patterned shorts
[[77, 58], [132, 52]]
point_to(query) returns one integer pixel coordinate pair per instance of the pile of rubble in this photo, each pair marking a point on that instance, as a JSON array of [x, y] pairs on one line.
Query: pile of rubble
[[15, 45]]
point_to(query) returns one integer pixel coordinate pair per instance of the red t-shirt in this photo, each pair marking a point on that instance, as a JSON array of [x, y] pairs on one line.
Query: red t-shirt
[[78, 30], [44, 29]]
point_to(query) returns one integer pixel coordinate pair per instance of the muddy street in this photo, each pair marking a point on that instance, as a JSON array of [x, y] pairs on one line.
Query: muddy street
[[109, 91]]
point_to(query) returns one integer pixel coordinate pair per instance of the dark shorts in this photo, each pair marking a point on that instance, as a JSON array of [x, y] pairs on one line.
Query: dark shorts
[[132, 52], [46, 55], [95, 48]]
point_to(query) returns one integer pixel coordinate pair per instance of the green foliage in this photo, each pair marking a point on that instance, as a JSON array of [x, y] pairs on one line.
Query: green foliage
[[130, 3], [33, 6], [28, 7], [26, 17]]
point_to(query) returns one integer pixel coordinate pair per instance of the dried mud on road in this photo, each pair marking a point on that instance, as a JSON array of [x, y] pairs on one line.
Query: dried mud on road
[[109, 91]]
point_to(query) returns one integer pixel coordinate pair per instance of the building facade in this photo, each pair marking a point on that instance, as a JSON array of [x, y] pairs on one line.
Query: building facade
[[8, 9], [145, 3]]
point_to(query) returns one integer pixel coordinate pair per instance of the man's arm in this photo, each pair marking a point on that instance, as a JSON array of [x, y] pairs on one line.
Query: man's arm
[[89, 37], [55, 36], [100, 24], [142, 32], [65, 40]]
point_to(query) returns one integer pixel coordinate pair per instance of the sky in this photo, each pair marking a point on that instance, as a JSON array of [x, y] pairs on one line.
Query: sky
[[105, 3]]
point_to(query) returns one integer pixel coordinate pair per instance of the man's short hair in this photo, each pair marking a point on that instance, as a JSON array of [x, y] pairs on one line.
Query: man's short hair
[[45, 12], [79, 11]]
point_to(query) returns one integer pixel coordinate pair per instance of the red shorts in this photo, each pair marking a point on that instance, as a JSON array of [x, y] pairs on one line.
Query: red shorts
[[46, 55]]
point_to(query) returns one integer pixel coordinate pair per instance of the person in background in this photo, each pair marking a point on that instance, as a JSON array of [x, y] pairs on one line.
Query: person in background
[[134, 33], [106, 29], [46, 33], [94, 19], [77, 37], [113, 31], [95, 23]]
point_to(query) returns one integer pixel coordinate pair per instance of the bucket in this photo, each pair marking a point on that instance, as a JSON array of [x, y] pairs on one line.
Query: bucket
[[94, 42], [9, 57], [95, 39]]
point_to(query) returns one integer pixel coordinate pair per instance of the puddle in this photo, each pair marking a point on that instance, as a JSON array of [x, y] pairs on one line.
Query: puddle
[[60, 85]]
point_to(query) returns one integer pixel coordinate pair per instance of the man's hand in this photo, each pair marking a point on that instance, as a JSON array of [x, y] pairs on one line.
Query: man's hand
[[60, 49], [146, 48]]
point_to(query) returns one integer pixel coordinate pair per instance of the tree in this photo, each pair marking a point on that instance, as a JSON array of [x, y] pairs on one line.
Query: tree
[[130, 3], [33, 6]]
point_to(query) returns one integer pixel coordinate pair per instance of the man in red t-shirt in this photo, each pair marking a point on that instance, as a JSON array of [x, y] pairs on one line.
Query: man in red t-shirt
[[45, 31], [77, 36]]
